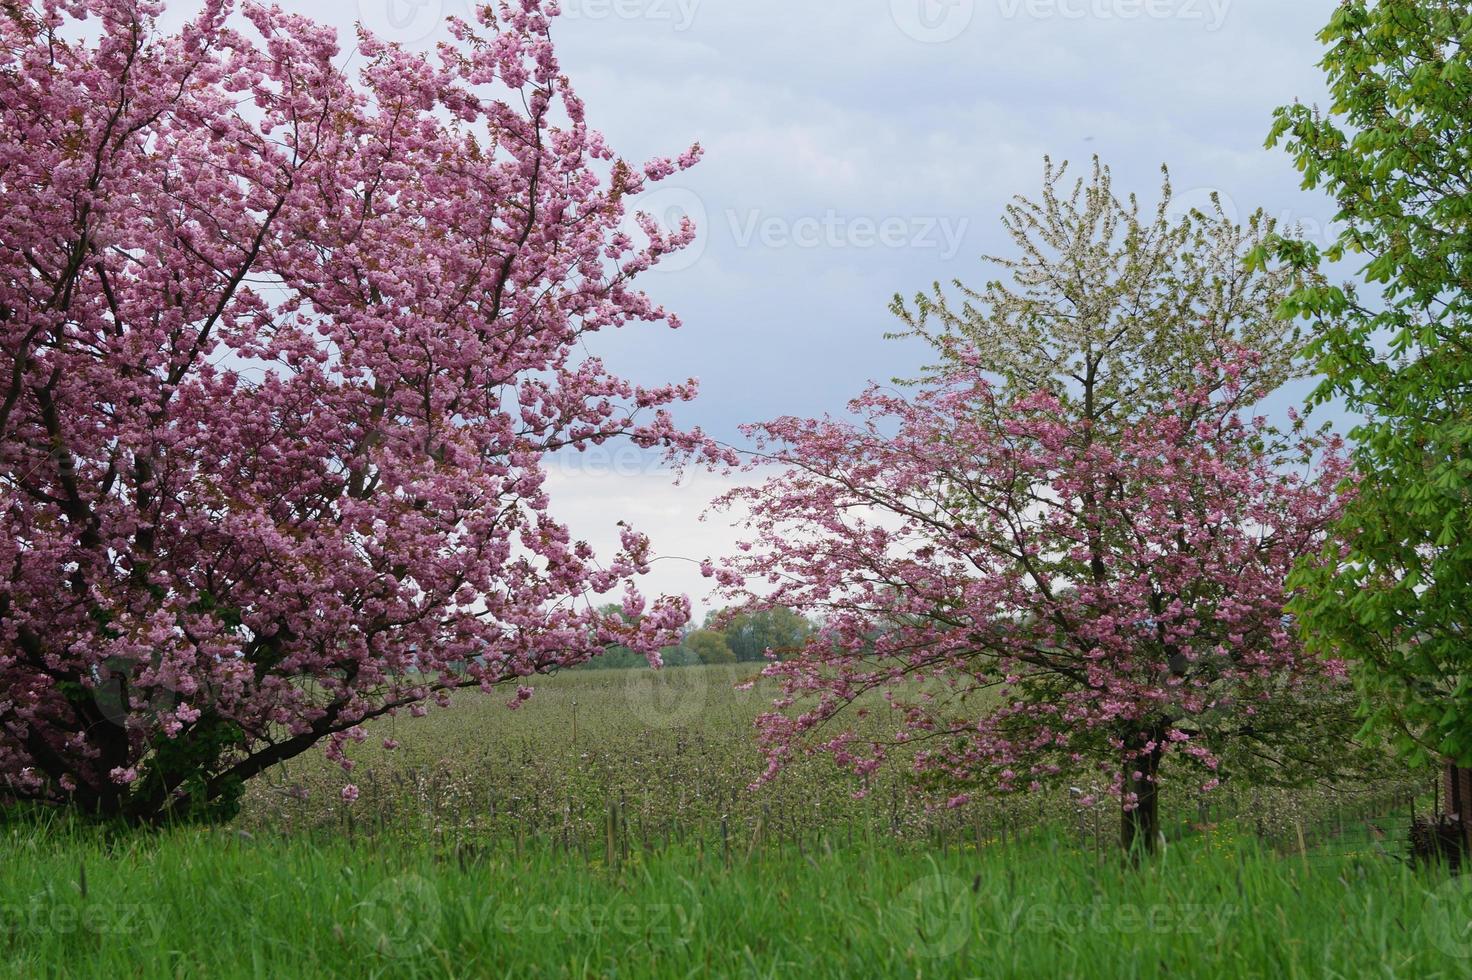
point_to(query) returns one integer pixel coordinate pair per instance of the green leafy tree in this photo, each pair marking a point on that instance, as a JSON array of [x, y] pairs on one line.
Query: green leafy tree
[[710, 647], [1110, 306], [1395, 150], [750, 634], [680, 655]]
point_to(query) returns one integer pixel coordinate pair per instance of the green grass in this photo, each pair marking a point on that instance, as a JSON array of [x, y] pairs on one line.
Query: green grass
[[219, 904], [606, 829]]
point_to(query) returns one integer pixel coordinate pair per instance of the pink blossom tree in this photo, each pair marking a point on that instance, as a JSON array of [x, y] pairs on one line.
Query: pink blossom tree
[[283, 352], [1027, 600]]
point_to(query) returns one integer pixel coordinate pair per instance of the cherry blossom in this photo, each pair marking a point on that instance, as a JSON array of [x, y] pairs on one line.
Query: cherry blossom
[[288, 328], [1026, 600]]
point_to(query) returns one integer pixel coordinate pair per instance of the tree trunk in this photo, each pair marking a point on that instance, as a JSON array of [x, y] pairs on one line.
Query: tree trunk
[[1140, 827], [1457, 785]]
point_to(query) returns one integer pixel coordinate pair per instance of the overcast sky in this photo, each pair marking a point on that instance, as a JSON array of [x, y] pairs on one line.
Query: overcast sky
[[859, 148]]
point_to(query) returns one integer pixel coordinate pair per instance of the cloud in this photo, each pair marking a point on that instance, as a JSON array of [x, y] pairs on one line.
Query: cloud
[[812, 107], [591, 502]]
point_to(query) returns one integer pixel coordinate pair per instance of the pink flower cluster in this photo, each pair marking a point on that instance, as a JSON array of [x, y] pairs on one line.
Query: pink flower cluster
[[1029, 597], [282, 353]]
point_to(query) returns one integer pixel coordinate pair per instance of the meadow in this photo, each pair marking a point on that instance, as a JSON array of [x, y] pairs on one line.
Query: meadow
[[218, 904], [669, 757], [304, 324], [626, 842]]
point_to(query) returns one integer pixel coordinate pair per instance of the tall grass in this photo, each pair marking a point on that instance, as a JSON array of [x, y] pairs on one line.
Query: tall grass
[[223, 904], [673, 753], [606, 829]]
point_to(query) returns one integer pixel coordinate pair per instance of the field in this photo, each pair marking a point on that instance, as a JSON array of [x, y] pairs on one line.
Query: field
[[658, 759], [520, 843], [215, 904]]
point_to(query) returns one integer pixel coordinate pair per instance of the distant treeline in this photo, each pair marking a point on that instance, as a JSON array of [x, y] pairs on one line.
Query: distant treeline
[[727, 637]]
